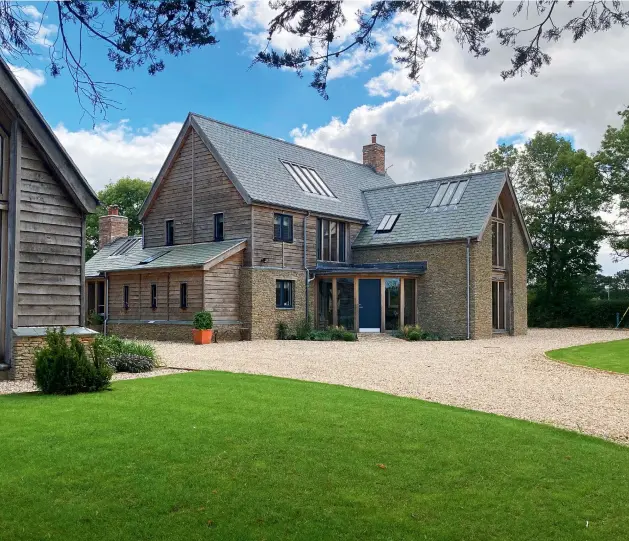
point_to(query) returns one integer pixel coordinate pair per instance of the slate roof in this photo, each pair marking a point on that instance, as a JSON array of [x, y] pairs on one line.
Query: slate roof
[[418, 223], [182, 255], [254, 162]]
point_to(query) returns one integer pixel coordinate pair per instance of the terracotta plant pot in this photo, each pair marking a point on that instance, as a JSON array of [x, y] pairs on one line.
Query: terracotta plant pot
[[202, 336]]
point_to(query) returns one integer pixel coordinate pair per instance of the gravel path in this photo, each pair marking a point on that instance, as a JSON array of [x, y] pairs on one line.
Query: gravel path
[[509, 376]]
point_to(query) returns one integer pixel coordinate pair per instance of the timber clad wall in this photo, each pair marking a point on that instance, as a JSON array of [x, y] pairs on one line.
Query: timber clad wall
[[222, 284], [49, 287], [213, 193]]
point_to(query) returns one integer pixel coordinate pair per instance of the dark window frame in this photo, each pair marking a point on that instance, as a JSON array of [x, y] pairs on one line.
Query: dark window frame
[[285, 220], [281, 301], [219, 216], [153, 296], [125, 297], [169, 233], [324, 234], [183, 295]]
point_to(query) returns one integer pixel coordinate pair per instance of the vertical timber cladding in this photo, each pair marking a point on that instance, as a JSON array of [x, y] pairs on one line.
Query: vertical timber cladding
[[213, 192], [50, 247]]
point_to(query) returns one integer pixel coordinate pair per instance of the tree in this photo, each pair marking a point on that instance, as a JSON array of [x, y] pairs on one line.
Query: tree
[[140, 33], [129, 194], [614, 161], [561, 192]]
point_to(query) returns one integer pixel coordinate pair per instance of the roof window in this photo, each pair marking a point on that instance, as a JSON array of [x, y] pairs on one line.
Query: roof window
[[151, 258], [449, 193], [387, 223], [124, 247], [308, 179]]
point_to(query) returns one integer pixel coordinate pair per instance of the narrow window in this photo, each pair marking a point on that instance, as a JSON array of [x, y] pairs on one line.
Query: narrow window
[[342, 242], [100, 298], [170, 232], [334, 239], [319, 232], [183, 295], [325, 239], [284, 297], [153, 296], [283, 227], [125, 297], [331, 240], [219, 231], [498, 238]]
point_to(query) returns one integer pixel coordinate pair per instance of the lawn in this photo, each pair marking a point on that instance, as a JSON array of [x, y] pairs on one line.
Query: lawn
[[211, 455], [612, 356]]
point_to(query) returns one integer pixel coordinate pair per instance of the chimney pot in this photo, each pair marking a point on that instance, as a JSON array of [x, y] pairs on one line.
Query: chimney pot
[[112, 210], [373, 138]]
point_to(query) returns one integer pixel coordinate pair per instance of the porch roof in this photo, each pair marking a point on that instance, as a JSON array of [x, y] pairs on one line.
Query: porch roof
[[410, 268]]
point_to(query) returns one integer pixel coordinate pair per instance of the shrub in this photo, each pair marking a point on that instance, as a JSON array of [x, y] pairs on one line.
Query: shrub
[[129, 362], [320, 336], [349, 336], [414, 333], [336, 333], [94, 319], [303, 330], [125, 355], [64, 368], [282, 331], [414, 336], [203, 321]]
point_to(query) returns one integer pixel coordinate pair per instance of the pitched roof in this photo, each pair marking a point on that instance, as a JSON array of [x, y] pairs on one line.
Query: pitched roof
[[419, 223], [178, 256], [253, 162], [42, 134]]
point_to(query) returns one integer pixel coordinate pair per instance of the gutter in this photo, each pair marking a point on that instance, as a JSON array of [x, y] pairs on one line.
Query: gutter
[[467, 253]]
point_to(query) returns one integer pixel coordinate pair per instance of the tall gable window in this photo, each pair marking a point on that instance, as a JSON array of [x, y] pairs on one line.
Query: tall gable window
[[219, 227], [283, 227], [498, 237], [331, 240], [308, 179], [449, 194], [170, 232]]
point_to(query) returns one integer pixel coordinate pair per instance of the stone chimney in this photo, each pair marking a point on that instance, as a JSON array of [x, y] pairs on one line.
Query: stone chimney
[[373, 156], [112, 227]]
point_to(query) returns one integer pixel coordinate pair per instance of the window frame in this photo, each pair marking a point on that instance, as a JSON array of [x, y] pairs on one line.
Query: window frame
[[280, 302], [282, 217], [153, 296], [171, 241], [341, 245], [183, 295], [217, 216], [498, 234], [387, 223], [125, 296]]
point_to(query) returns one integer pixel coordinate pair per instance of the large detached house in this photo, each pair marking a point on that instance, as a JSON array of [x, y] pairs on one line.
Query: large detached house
[[261, 231]]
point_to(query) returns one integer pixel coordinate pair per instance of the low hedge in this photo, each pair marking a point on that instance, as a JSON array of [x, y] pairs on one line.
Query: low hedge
[[599, 313]]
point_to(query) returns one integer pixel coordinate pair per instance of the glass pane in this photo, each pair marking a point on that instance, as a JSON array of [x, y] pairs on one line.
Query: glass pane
[[439, 195], [322, 184], [392, 304], [494, 240], [100, 298], [312, 181], [501, 244], [342, 241], [298, 180], [391, 222], [305, 180], [325, 303], [318, 239], [326, 240], [384, 221], [345, 302], [277, 226], [494, 304], [459, 192], [333, 242], [286, 228], [278, 293], [409, 302], [449, 193], [502, 305]]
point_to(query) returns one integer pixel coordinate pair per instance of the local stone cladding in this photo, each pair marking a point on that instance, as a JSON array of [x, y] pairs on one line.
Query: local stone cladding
[[171, 332], [519, 262]]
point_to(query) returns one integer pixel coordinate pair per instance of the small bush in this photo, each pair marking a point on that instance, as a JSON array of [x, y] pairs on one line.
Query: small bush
[[414, 333], [129, 362], [64, 368], [320, 336], [349, 336], [336, 333], [414, 336], [303, 330], [282, 331], [203, 321], [94, 319], [125, 355]]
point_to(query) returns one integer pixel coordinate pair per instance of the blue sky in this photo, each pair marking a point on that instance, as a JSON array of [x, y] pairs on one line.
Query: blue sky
[[460, 110]]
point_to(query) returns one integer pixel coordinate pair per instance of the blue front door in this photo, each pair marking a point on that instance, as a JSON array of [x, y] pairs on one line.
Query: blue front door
[[369, 305]]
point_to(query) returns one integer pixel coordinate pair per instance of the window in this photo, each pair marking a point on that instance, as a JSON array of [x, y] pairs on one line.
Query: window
[[284, 297], [308, 180], [170, 232], [100, 298], [183, 295], [449, 193], [219, 228], [498, 305], [283, 227], [409, 301], [125, 247], [151, 258], [325, 304], [125, 297], [387, 223], [331, 240], [392, 304], [498, 238], [345, 302], [153, 296]]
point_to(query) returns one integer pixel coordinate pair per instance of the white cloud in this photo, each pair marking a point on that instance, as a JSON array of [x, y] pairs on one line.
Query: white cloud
[[30, 79], [111, 151], [42, 30]]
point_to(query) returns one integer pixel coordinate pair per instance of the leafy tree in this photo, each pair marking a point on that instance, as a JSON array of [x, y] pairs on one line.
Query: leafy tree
[[140, 33], [561, 192], [129, 194], [614, 161]]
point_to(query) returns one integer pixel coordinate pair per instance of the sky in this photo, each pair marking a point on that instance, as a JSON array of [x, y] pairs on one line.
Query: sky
[[459, 110]]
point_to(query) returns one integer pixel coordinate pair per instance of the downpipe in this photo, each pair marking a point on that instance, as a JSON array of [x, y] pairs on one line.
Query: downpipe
[[306, 264], [468, 287], [106, 319]]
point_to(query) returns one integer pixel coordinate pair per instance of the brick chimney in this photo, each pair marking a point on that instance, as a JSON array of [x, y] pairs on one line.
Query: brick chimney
[[112, 227], [373, 155]]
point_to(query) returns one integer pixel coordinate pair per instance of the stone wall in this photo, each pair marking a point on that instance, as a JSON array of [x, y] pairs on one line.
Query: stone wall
[[257, 293], [168, 332], [23, 355], [519, 280], [480, 279]]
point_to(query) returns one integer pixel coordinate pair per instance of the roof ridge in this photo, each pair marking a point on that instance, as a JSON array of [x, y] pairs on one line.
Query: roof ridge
[[283, 141], [478, 173]]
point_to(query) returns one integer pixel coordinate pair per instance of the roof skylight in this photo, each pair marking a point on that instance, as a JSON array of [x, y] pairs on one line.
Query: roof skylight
[[125, 247], [153, 257], [387, 223], [449, 193], [308, 179]]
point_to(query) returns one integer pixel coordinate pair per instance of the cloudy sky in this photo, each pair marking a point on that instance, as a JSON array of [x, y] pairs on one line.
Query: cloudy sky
[[459, 111]]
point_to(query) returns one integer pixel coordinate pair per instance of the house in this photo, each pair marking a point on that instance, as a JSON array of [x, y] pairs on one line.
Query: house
[[44, 201], [262, 231]]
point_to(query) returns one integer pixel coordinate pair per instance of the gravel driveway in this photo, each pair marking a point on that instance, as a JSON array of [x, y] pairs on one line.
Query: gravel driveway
[[509, 376]]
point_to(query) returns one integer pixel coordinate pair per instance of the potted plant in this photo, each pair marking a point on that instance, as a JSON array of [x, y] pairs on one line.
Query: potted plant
[[202, 332]]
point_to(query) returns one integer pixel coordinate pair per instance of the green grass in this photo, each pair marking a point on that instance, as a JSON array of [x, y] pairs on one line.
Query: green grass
[[212, 455], [612, 356]]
